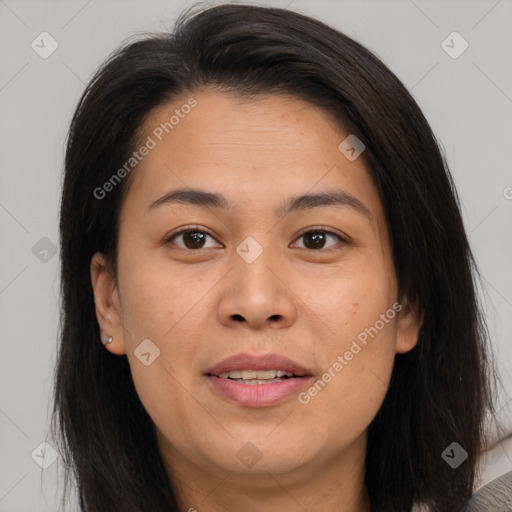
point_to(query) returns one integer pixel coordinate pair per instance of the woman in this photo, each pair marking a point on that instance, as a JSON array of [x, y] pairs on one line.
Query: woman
[[268, 298]]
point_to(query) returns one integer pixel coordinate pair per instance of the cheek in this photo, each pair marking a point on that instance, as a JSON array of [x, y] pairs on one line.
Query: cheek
[[163, 398], [155, 299], [358, 353], [345, 303], [158, 306], [354, 382]]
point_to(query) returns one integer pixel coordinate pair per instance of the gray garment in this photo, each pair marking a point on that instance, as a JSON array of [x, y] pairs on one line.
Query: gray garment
[[496, 496]]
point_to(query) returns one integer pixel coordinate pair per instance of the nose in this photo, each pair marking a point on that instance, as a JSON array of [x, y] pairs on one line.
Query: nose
[[257, 294]]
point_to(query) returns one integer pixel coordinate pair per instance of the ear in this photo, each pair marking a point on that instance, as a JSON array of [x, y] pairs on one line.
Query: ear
[[107, 303], [410, 321]]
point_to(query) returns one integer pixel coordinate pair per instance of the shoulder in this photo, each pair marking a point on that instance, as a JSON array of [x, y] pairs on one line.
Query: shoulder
[[496, 496]]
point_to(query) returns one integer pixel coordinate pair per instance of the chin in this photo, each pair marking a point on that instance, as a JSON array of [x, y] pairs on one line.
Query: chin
[[262, 455]]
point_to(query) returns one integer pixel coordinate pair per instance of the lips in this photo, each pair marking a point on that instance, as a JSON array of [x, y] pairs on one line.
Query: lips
[[253, 392], [241, 362]]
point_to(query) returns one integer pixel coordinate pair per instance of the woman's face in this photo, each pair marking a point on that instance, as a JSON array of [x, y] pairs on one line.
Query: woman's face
[[247, 288]]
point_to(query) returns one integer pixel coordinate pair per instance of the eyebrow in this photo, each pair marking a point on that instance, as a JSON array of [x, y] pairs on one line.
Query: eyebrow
[[204, 199]]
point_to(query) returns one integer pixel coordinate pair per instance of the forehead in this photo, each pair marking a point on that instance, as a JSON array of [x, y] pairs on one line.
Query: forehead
[[265, 148], [279, 123]]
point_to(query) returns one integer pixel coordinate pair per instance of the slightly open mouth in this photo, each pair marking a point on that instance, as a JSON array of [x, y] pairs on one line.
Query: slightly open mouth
[[258, 381], [253, 377], [258, 388]]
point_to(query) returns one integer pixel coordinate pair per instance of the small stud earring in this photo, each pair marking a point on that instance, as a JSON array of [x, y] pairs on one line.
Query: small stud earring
[[108, 340]]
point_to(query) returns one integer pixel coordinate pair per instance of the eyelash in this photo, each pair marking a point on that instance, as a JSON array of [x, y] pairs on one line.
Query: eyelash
[[318, 229]]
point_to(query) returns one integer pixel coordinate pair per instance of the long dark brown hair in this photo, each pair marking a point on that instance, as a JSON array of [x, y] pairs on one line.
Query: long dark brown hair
[[439, 391]]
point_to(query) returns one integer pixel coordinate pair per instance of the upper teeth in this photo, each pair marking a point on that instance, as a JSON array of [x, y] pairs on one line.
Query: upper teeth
[[255, 374]]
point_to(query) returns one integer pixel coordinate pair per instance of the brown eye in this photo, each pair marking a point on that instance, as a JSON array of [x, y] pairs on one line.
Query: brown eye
[[191, 239], [317, 239]]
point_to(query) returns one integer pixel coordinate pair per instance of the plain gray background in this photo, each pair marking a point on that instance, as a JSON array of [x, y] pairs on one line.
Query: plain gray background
[[467, 100]]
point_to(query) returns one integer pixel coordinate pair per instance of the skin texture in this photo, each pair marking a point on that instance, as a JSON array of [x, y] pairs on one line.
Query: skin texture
[[308, 304]]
